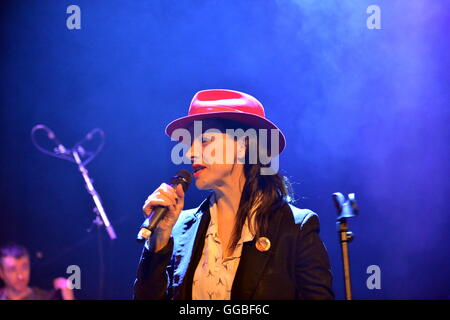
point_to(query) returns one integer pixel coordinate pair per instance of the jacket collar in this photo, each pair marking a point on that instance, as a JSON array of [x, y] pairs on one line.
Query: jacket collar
[[194, 227], [252, 262]]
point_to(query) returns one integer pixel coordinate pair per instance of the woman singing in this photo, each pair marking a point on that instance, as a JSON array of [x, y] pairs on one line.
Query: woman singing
[[245, 241]]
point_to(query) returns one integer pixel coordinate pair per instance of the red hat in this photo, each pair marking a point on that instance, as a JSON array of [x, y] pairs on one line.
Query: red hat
[[226, 104]]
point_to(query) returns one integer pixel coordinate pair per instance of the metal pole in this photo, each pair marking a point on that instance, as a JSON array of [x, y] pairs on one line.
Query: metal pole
[[345, 238], [95, 196]]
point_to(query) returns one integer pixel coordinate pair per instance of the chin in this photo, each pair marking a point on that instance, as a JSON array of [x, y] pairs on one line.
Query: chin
[[200, 185], [20, 287]]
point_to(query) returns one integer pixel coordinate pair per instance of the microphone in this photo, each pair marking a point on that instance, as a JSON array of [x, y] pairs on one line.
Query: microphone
[[182, 177]]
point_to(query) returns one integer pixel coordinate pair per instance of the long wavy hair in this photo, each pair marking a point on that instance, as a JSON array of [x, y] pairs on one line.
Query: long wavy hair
[[262, 196]]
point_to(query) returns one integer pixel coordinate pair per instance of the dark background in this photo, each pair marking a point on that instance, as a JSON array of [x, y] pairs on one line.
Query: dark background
[[364, 111]]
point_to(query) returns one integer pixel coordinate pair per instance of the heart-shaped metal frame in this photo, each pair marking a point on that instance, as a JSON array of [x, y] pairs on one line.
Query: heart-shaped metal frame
[[60, 152]]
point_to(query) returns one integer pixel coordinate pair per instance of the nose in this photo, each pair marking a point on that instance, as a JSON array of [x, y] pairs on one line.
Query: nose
[[194, 152], [189, 153]]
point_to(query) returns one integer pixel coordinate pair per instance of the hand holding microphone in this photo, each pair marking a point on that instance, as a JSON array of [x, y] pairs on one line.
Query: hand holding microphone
[[169, 197], [163, 207]]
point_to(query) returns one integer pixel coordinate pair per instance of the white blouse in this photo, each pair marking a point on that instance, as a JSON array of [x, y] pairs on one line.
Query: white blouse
[[214, 275]]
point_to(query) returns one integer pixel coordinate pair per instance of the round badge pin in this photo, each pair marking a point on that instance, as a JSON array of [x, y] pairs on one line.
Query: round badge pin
[[263, 244]]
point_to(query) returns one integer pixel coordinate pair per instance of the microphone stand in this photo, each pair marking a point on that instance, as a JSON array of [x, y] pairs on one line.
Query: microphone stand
[[99, 207], [74, 155], [346, 209]]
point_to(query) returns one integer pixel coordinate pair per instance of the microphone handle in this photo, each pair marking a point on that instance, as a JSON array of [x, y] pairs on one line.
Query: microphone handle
[[148, 227], [151, 222]]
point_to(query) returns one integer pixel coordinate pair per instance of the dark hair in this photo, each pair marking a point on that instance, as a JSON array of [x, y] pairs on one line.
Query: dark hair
[[262, 196], [14, 250]]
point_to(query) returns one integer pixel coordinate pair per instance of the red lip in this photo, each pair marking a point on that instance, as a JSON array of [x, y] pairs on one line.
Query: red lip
[[197, 168]]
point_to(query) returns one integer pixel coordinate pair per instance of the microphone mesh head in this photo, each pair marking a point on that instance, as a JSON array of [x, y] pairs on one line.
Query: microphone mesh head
[[182, 177]]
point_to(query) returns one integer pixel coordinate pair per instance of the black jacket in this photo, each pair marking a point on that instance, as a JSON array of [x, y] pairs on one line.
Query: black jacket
[[295, 267]]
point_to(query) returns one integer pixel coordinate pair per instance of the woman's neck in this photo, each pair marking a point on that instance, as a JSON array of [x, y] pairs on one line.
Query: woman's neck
[[228, 197]]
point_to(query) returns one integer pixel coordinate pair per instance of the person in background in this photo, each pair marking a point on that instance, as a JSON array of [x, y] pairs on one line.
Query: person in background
[[15, 273]]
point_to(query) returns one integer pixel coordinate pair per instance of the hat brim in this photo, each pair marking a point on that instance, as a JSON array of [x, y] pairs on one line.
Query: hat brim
[[253, 121]]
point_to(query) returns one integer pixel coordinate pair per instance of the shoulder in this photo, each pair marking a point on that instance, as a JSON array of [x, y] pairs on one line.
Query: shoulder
[[188, 214], [305, 218], [196, 212], [188, 217]]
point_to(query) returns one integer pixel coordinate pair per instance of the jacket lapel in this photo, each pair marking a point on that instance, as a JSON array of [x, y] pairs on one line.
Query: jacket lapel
[[253, 262], [185, 289]]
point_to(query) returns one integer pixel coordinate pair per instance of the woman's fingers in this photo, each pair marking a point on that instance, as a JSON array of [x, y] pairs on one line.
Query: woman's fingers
[[157, 200], [179, 191], [171, 196], [165, 196]]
